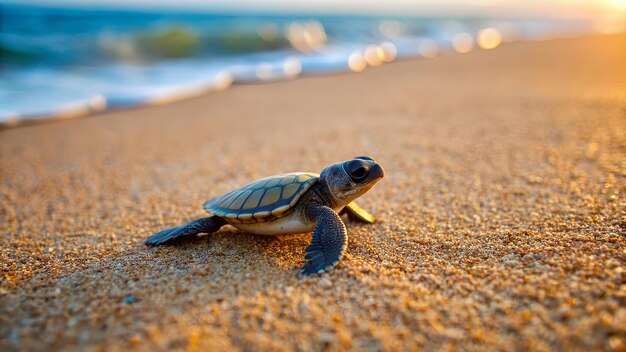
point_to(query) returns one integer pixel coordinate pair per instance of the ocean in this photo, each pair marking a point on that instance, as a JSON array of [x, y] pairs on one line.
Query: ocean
[[66, 62]]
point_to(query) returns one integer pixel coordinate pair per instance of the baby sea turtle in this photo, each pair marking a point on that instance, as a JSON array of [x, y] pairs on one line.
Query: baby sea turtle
[[293, 203]]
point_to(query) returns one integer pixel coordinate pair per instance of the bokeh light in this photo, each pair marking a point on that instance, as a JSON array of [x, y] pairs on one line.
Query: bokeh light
[[428, 48], [223, 81], [356, 62], [463, 43], [489, 38], [390, 52], [98, 103], [264, 71], [307, 36], [292, 67], [374, 55]]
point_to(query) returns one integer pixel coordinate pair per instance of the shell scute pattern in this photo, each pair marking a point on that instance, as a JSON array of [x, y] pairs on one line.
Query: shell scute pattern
[[263, 200], [238, 202], [253, 200], [290, 189], [271, 196]]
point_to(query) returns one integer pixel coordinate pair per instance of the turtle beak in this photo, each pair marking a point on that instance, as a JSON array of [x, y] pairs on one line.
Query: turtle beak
[[376, 173]]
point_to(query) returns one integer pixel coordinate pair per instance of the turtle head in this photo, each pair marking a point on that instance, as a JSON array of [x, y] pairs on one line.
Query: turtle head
[[350, 179]]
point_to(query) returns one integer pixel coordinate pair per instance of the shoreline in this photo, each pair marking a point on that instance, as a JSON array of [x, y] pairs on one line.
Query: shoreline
[[334, 60]]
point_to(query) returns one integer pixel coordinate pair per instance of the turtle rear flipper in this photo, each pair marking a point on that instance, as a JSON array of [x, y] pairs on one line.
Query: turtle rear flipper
[[204, 225], [328, 243]]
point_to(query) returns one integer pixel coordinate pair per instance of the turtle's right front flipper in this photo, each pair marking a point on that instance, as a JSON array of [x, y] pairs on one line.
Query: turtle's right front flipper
[[328, 243], [204, 225]]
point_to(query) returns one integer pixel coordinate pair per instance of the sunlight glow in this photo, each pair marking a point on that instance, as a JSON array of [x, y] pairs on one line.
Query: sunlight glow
[[619, 3], [424, 7]]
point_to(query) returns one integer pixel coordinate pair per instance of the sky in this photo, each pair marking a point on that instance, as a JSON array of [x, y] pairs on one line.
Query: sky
[[558, 8]]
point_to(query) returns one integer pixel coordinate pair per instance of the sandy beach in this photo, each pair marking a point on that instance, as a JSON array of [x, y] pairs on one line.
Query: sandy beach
[[501, 219]]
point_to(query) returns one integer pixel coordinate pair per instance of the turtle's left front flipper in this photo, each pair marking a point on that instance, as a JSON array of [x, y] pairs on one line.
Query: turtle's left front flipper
[[355, 212], [329, 241]]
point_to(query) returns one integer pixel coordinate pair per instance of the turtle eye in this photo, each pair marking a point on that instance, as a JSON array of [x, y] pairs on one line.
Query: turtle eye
[[357, 170], [362, 157]]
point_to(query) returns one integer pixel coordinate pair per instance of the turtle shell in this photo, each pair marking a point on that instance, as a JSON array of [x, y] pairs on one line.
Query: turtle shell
[[262, 200]]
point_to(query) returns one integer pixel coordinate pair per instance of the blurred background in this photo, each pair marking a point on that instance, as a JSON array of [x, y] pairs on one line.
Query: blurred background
[[76, 57]]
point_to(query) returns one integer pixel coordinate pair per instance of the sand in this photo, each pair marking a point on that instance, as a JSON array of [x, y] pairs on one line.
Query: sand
[[501, 217]]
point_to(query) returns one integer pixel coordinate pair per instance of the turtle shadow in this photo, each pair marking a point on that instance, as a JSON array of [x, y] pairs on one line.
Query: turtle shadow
[[231, 249], [281, 253]]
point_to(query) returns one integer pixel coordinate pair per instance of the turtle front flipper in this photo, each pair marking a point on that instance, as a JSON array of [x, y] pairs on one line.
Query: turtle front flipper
[[204, 225], [355, 212], [328, 243]]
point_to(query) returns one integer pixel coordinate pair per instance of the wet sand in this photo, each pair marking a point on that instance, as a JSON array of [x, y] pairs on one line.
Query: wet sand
[[501, 218]]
